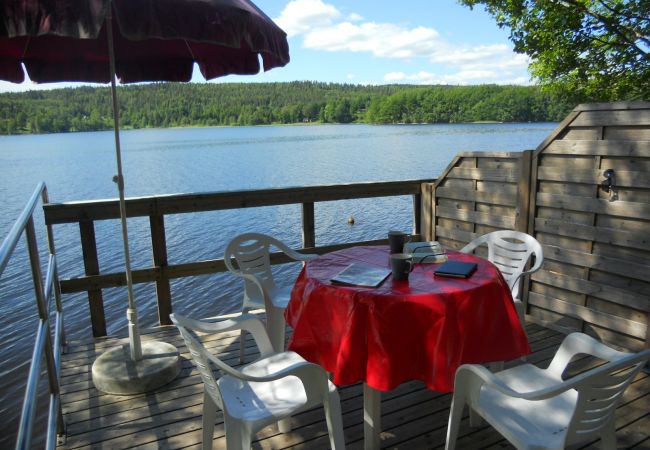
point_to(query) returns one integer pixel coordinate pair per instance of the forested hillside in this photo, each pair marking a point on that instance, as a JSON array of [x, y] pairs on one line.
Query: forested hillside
[[163, 105]]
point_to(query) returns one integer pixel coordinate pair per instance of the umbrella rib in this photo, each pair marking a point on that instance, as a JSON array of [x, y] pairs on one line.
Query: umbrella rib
[[189, 49], [27, 42]]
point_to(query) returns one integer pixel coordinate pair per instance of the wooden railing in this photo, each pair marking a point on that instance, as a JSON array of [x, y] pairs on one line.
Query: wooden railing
[[157, 207]]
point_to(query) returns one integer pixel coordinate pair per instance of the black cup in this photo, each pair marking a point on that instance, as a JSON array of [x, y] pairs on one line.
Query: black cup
[[401, 265], [396, 240]]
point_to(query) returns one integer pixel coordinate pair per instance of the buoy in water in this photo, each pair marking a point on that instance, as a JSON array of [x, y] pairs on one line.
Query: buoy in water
[[351, 220]]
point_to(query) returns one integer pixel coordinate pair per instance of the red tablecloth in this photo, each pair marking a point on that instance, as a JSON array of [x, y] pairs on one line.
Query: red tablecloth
[[420, 329]]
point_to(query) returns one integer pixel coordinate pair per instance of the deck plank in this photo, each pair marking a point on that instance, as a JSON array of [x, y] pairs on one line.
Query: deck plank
[[413, 417]]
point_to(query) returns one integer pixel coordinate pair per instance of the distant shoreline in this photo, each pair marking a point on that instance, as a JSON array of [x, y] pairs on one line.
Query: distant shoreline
[[127, 128]]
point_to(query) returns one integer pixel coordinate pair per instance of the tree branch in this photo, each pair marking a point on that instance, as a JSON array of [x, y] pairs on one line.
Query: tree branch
[[613, 11], [612, 26]]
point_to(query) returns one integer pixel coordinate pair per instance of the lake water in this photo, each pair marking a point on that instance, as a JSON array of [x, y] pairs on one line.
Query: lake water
[[80, 166]]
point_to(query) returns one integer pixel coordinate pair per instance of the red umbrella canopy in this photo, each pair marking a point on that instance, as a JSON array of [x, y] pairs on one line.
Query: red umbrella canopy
[[154, 40]]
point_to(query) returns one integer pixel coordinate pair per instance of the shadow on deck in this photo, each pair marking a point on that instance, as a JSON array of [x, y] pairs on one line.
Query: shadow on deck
[[412, 416]]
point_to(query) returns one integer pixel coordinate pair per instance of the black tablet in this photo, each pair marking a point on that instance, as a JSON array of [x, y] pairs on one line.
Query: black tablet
[[456, 269]]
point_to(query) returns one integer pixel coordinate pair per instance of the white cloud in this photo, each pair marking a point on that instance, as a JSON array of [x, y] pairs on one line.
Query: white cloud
[[382, 40], [300, 16], [468, 55], [28, 85], [477, 58], [395, 76], [354, 17], [462, 77], [323, 27]]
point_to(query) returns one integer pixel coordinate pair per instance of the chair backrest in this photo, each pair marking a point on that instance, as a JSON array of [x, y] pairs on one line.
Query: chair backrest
[[202, 360], [509, 250], [600, 391], [252, 253]]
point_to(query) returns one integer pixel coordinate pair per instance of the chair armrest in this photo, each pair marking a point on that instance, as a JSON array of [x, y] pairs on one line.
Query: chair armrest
[[471, 377], [246, 322], [307, 256], [469, 248], [535, 268], [304, 370], [580, 343], [291, 253], [474, 244]]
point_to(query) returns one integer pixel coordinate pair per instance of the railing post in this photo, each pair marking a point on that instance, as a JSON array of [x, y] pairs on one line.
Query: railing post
[[91, 267], [523, 192], [45, 199], [427, 211], [159, 248], [525, 217], [417, 214], [52, 374], [308, 225]]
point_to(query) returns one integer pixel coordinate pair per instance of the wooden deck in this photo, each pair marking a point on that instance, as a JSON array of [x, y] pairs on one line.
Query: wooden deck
[[170, 418]]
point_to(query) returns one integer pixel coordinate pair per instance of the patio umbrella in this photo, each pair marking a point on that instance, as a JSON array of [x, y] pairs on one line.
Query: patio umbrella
[[135, 41]]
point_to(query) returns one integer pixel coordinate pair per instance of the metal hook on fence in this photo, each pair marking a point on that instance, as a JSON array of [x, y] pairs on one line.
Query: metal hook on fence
[[609, 182]]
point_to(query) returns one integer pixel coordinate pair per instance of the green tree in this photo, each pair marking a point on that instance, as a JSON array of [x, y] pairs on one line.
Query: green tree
[[581, 49], [177, 104]]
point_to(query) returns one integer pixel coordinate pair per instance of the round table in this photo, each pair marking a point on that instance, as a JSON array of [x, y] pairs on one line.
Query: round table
[[420, 329], [423, 328]]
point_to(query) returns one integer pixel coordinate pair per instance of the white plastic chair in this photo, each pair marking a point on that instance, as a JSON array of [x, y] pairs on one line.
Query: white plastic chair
[[510, 250], [274, 387], [252, 252], [536, 409]]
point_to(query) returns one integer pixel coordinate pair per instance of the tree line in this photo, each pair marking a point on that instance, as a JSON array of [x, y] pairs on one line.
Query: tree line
[[162, 105]]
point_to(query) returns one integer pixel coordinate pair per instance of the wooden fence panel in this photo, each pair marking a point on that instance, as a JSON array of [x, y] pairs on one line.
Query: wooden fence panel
[[596, 272], [478, 193], [596, 244]]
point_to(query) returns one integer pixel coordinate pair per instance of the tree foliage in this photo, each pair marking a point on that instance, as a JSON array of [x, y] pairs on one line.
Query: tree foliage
[[595, 49], [162, 105]]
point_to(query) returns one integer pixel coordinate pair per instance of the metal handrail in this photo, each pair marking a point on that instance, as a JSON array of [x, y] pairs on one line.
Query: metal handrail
[[43, 343], [10, 242]]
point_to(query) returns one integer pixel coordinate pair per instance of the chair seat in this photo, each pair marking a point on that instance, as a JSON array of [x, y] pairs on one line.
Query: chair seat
[[280, 297], [528, 424], [260, 401]]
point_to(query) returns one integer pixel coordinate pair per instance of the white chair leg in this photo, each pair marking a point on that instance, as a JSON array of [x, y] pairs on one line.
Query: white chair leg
[[242, 340], [332, 405], [284, 425], [238, 437], [209, 416], [475, 420], [455, 414], [371, 418], [521, 312], [276, 328], [496, 366], [608, 436]]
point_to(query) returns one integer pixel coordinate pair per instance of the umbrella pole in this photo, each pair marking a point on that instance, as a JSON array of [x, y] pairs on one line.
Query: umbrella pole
[[131, 312], [116, 371]]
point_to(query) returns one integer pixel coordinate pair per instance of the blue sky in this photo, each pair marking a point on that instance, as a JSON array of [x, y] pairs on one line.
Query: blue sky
[[381, 41]]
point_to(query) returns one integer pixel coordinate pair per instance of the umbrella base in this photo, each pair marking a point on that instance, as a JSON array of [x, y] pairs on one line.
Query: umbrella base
[[115, 373]]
